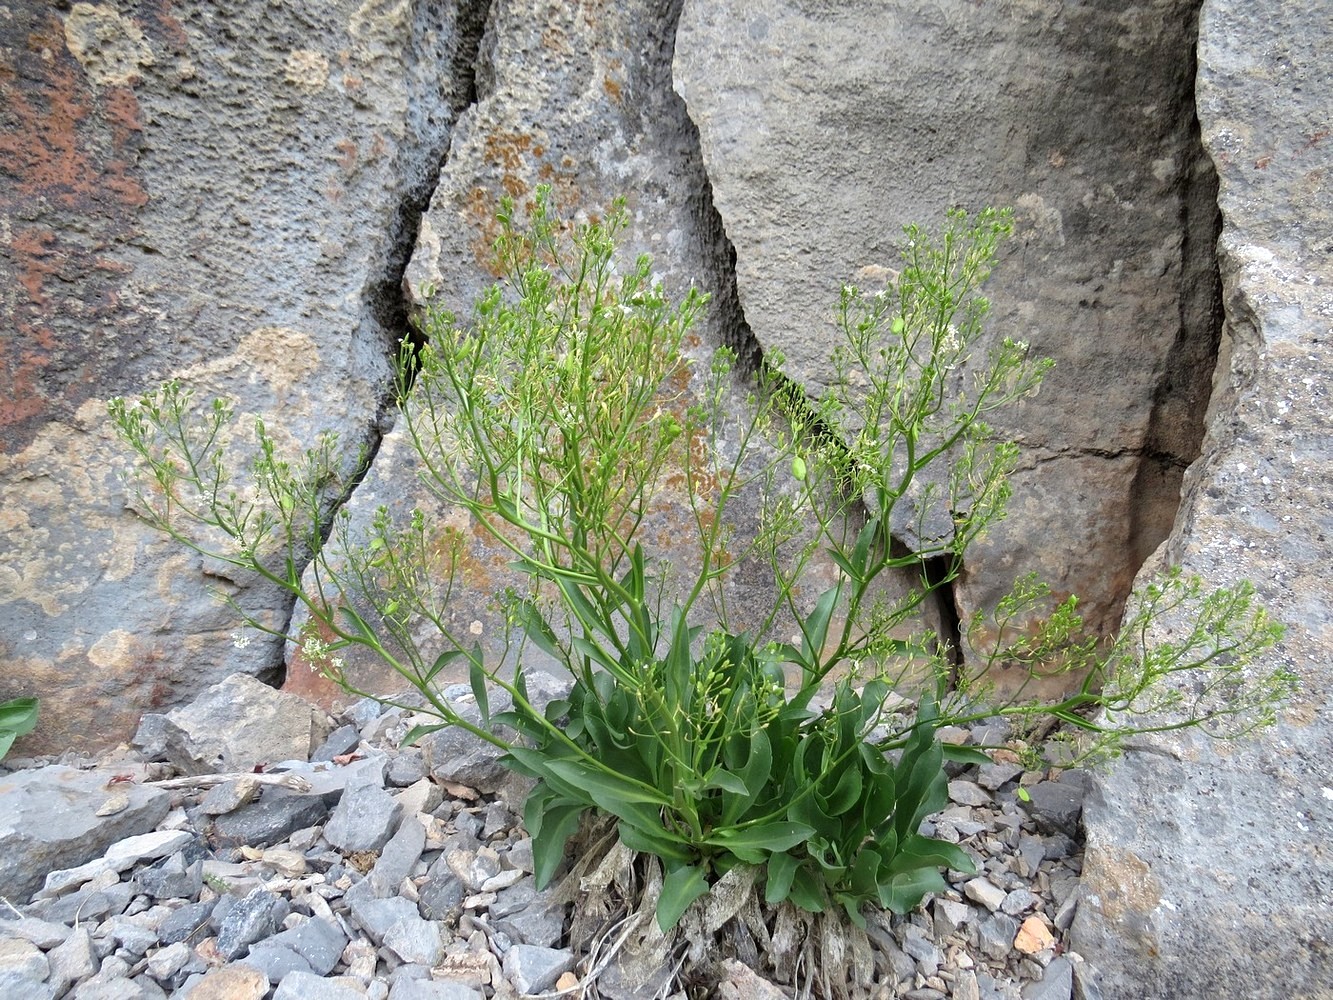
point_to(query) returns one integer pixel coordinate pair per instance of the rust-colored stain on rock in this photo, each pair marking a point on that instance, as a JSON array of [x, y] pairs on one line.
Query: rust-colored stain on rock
[[71, 189]]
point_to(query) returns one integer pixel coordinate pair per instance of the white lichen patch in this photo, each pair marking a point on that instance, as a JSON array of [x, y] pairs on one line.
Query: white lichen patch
[[110, 48], [307, 70]]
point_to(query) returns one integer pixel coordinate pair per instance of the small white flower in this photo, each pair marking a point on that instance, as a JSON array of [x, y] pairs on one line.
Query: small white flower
[[240, 638]]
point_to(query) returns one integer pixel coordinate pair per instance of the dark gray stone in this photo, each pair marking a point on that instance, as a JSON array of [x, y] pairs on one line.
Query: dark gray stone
[[1056, 805], [303, 986], [172, 878], [275, 961], [342, 740], [189, 923], [406, 768], [249, 919], [269, 820]]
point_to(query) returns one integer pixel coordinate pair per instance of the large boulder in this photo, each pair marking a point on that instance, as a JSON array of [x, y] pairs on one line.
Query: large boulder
[[1208, 871], [222, 196], [826, 128]]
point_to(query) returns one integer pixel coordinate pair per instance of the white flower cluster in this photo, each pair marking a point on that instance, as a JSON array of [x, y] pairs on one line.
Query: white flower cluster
[[317, 654]]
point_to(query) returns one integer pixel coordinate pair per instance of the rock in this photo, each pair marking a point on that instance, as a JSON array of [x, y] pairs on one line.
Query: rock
[[425, 989], [1203, 861], [171, 878], [43, 933], [342, 740], [312, 150], [231, 982], [1033, 936], [1057, 805], [399, 857], [817, 160], [533, 969], [48, 820], [24, 959], [985, 892], [740, 982], [968, 793], [415, 940], [303, 986], [250, 919], [119, 856], [364, 819], [1056, 984], [270, 820], [239, 723], [319, 942]]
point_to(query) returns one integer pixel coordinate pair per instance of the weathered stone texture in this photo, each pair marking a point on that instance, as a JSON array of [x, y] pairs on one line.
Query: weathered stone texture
[[1208, 871], [826, 128], [206, 194]]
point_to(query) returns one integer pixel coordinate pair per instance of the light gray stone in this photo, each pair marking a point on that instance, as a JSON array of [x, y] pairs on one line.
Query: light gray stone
[[43, 933], [50, 821], [1056, 984], [23, 959], [968, 793], [533, 969], [317, 940], [376, 916], [304, 986], [364, 819], [985, 892], [426, 989], [275, 961], [239, 723], [119, 856], [415, 940]]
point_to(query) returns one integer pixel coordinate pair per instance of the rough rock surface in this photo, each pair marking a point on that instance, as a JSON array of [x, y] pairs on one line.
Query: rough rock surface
[[826, 129], [1208, 871], [224, 198], [578, 97]]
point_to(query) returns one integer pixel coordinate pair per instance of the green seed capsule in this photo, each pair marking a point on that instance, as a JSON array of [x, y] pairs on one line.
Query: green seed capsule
[[798, 468], [899, 325]]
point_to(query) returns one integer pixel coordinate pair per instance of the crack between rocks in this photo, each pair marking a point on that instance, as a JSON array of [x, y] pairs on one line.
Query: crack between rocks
[[385, 302]]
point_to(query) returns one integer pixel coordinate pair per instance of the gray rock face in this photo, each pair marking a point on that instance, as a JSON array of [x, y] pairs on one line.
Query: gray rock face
[[48, 819], [1207, 869], [826, 128], [227, 200]]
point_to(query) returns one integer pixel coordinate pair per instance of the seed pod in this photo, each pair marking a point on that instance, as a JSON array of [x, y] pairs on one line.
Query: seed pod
[[798, 468]]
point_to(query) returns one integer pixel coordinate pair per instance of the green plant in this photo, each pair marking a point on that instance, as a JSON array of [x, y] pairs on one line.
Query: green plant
[[559, 418], [18, 717]]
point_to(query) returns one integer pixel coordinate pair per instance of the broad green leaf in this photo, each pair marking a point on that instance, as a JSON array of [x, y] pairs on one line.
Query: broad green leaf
[[781, 871], [752, 844], [846, 794], [904, 891], [477, 676], [548, 847], [814, 630], [654, 839], [926, 852], [806, 892], [441, 661], [725, 780], [18, 716], [416, 732], [605, 786], [358, 623], [681, 887], [964, 755]]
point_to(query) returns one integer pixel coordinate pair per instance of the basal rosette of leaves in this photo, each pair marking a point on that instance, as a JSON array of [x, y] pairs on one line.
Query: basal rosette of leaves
[[556, 415]]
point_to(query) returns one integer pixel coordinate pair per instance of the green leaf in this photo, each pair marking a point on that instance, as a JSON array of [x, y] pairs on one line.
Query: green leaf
[[904, 891], [964, 755], [536, 628], [807, 893], [555, 819], [814, 630], [681, 887], [846, 794], [477, 677], [925, 852], [752, 844], [781, 871], [725, 780], [654, 839], [416, 732], [18, 716], [358, 623], [441, 661], [607, 787]]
